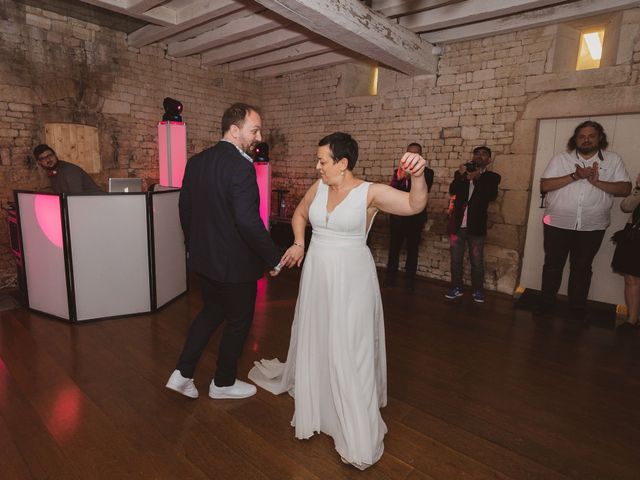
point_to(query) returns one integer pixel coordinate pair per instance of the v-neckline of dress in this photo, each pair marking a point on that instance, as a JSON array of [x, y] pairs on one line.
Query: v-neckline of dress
[[326, 208]]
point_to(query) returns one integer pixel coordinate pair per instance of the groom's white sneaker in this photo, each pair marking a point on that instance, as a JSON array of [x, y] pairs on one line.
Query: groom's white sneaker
[[182, 385], [239, 389]]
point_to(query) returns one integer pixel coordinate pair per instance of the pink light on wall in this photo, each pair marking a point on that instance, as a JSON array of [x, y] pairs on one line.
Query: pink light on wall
[[47, 209], [172, 150], [263, 177]]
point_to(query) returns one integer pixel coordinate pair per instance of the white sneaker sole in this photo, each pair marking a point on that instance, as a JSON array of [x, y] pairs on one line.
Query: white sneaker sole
[[181, 392], [226, 396]]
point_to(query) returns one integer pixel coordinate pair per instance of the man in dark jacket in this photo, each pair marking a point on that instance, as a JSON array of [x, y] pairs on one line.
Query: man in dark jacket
[[406, 228], [472, 189], [64, 177], [228, 247]]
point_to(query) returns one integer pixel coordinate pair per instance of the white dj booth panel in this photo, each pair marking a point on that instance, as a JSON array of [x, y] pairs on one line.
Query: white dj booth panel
[[43, 253], [88, 257], [109, 245], [169, 250]]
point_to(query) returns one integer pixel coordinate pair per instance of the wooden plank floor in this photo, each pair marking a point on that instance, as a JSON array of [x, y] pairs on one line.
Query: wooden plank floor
[[475, 391]]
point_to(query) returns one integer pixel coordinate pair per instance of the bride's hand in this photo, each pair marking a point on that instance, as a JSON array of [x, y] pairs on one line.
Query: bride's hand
[[293, 256], [413, 164]]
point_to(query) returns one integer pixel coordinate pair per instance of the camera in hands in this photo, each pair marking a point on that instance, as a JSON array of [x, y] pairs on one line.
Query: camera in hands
[[471, 166]]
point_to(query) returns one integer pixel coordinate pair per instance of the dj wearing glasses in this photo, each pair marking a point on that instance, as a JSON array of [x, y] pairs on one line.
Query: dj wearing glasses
[[64, 177]]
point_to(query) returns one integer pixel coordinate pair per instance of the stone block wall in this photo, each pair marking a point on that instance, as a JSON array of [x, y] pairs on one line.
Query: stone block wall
[[489, 91], [59, 69]]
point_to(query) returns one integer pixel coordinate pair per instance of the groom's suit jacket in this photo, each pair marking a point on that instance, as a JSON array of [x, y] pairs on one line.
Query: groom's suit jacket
[[219, 212]]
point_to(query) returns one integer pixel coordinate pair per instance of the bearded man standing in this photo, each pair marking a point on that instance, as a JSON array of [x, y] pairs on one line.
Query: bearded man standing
[[579, 185]]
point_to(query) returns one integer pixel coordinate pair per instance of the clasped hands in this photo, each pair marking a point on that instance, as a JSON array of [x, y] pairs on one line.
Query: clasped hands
[[590, 173], [292, 257]]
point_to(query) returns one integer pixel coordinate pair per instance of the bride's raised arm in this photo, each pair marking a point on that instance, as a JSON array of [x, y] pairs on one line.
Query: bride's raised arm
[[390, 200]]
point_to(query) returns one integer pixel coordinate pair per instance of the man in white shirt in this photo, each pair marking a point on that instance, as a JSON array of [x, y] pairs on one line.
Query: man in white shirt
[[579, 186]]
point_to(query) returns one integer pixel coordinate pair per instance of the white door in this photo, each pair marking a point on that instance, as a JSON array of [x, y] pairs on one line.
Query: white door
[[623, 133]]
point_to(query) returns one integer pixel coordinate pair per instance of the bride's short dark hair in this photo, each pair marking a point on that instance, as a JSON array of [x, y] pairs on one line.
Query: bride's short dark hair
[[342, 145]]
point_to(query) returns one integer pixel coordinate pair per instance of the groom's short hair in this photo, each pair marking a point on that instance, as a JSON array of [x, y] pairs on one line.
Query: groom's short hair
[[341, 145], [235, 115]]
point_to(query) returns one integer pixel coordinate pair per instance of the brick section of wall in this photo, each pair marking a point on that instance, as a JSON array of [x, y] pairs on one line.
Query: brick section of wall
[[59, 69], [479, 97]]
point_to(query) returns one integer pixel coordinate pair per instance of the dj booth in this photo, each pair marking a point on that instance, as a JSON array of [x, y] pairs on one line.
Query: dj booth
[[86, 257]]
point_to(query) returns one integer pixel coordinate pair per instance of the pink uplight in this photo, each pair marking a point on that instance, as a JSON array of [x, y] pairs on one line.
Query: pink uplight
[[63, 419], [172, 149], [4, 381], [263, 177], [47, 209], [546, 219], [261, 295]]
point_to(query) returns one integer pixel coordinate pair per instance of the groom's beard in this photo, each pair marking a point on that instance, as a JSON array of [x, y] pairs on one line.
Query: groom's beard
[[251, 149]]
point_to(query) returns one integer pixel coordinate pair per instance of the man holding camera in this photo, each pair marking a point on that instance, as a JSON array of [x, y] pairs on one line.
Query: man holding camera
[[472, 189]]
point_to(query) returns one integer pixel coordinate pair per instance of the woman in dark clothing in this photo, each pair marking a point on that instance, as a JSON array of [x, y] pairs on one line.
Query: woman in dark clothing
[[626, 259]]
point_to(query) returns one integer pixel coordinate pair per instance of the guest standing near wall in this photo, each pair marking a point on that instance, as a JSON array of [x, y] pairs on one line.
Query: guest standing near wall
[[626, 258], [472, 189], [406, 229], [579, 185]]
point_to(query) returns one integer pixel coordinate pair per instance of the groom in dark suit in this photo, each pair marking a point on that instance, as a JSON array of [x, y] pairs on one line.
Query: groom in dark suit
[[228, 247]]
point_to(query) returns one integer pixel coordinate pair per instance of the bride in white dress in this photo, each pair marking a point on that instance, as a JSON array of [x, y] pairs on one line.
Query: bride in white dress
[[336, 364]]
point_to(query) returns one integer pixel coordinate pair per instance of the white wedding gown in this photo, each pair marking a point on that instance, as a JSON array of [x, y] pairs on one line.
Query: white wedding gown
[[336, 365]]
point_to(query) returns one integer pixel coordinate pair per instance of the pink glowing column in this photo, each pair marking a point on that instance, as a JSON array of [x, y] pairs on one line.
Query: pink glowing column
[[263, 177], [172, 148]]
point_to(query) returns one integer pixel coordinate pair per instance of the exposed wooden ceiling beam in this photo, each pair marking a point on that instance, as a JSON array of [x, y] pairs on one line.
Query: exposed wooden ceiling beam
[[215, 23], [360, 29], [467, 12], [253, 46], [325, 60], [235, 30], [140, 6], [192, 15], [522, 21], [393, 8], [159, 16], [289, 54]]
